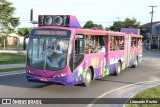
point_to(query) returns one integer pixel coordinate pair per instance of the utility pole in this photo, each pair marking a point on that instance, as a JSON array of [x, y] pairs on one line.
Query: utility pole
[[118, 18], [151, 25]]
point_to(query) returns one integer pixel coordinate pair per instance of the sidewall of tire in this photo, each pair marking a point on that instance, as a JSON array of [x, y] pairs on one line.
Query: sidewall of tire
[[86, 84]]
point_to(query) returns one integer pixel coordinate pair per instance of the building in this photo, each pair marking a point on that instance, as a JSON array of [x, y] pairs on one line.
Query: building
[[11, 39], [153, 38]]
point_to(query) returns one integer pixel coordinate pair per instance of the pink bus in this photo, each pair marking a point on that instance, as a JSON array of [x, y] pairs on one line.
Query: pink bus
[[61, 52]]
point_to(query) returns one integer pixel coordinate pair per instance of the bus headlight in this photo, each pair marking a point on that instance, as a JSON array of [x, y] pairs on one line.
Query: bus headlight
[[61, 75], [30, 72]]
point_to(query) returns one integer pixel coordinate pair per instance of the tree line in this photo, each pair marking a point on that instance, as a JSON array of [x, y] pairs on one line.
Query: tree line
[[117, 25]]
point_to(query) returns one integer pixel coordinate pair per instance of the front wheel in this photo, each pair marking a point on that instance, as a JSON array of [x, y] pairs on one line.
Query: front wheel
[[135, 63], [118, 69], [88, 78]]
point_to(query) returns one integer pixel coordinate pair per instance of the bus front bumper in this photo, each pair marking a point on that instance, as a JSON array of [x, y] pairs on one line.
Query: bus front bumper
[[67, 80]]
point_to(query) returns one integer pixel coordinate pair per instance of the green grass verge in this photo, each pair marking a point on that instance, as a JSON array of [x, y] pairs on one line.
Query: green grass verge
[[12, 58], [12, 69], [155, 50], [153, 92], [12, 46]]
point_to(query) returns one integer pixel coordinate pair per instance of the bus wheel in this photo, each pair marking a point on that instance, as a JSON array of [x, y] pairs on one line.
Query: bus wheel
[[135, 63], [88, 78], [118, 69]]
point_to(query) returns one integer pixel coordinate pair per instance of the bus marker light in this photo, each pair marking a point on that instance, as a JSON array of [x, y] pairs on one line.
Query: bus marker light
[[61, 75], [30, 72], [43, 79]]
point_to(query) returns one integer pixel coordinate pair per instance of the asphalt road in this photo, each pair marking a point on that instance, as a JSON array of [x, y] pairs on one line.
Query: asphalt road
[[129, 82]]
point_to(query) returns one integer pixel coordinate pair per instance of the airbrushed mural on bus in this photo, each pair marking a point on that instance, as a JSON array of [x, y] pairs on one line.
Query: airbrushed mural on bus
[[60, 51]]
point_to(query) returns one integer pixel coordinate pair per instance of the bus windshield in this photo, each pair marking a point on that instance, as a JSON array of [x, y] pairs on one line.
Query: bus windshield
[[48, 48]]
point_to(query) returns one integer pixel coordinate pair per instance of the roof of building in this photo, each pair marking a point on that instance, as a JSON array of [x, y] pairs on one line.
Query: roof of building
[[148, 25]]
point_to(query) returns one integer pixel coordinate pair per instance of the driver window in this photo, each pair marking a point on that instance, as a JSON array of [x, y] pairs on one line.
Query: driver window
[[81, 45]]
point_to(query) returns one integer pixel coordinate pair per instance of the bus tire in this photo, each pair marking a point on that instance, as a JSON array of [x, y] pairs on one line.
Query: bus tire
[[135, 63], [88, 78], [118, 69]]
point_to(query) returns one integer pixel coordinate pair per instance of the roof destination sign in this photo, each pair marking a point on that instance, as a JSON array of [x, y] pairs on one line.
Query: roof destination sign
[[47, 32]]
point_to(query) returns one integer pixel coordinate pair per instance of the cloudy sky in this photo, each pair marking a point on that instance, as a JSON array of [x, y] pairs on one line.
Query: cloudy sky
[[99, 11]]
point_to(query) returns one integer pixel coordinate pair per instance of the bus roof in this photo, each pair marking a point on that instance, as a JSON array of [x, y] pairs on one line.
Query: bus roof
[[98, 32], [91, 31]]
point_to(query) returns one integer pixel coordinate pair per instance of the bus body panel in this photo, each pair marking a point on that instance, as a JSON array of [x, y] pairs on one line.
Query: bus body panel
[[97, 61], [37, 75], [116, 56]]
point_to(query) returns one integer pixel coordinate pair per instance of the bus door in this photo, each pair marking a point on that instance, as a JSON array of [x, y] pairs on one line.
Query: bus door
[[128, 49], [79, 50], [76, 53]]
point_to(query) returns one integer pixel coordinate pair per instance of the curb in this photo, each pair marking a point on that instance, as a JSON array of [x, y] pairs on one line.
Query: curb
[[8, 66], [12, 73]]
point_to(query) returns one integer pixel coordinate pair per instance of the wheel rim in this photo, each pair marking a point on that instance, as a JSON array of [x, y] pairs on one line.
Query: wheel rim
[[136, 62], [118, 69], [88, 78]]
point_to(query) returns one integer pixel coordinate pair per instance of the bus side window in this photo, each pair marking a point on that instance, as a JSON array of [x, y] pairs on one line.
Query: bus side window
[[116, 43], [121, 42], [102, 44], [79, 47], [133, 42], [89, 43], [139, 42], [112, 43]]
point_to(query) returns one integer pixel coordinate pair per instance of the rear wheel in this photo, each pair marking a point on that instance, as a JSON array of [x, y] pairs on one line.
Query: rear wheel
[[135, 63], [118, 69], [88, 78]]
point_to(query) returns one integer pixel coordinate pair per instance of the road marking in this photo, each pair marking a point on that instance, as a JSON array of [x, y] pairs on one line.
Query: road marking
[[104, 94], [12, 73]]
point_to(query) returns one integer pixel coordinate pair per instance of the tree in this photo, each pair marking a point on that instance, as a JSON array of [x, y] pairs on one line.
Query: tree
[[127, 23], [117, 26], [100, 26], [6, 15], [3, 37], [24, 31], [91, 25]]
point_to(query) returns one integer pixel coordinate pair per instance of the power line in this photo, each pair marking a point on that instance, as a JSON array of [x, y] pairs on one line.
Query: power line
[[97, 22]]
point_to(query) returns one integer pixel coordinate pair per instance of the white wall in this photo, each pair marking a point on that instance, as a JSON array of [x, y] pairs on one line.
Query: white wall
[[21, 39]]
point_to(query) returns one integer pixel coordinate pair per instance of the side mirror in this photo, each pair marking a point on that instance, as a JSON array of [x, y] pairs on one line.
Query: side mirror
[[24, 42]]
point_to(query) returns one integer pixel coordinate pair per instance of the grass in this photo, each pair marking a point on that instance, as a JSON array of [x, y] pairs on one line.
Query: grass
[[12, 58], [155, 50], [153, 92], [13, 46], [12, 69]]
